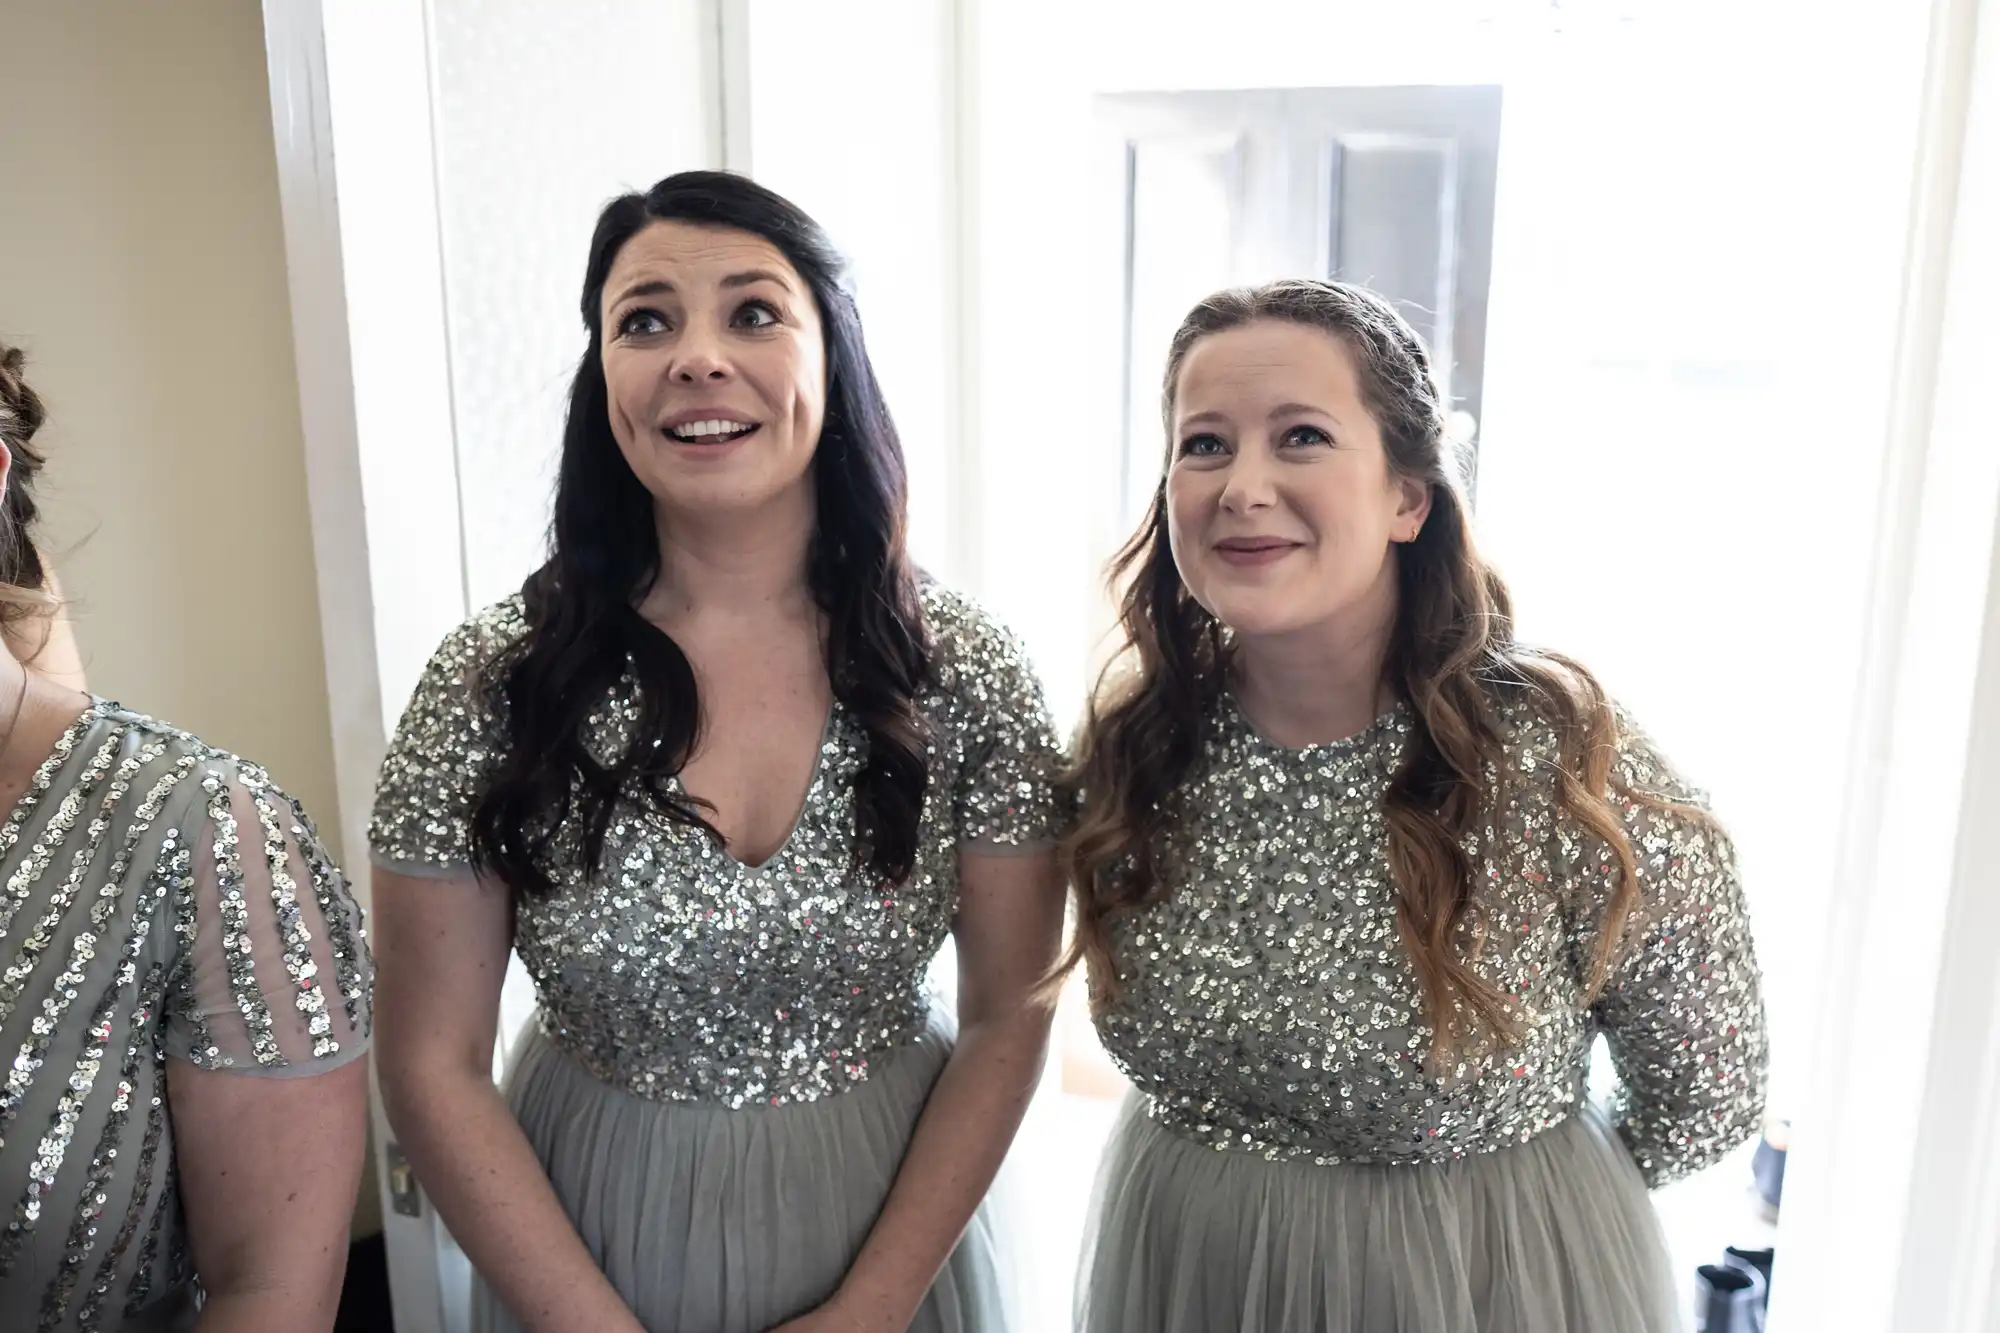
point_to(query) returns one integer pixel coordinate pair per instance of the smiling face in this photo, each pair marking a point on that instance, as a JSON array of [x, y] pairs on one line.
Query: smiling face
[[714, 368], [1281, 504]]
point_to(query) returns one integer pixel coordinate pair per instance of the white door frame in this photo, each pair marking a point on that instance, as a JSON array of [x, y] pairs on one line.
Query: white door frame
[[369, 338], [1892, 1217]]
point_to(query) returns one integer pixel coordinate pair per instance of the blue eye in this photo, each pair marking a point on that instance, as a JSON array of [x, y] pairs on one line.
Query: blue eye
[[640, 323], [1307, 436], [764, 315], [1203, 446]]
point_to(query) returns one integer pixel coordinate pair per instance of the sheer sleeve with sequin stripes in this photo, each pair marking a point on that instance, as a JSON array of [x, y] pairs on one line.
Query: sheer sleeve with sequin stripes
[[1683, 1008], [1005, 798], [444, 748], [271, 973]]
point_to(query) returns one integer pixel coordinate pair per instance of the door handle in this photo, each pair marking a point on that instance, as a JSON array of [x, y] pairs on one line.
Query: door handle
[[405, 1195]]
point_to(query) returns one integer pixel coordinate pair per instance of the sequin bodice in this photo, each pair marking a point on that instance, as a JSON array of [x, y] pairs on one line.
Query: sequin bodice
[[1268, 1003], [678, 973]]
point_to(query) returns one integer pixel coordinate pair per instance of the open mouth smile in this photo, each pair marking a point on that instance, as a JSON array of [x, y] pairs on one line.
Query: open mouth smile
[[710, 430]]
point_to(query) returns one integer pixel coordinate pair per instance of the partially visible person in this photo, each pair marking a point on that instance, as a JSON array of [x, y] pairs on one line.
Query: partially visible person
[[184, 1001]]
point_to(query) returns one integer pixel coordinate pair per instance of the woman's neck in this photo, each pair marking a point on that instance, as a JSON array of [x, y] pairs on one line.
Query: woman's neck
[[737, 566], [34, 713], [1319, 683]]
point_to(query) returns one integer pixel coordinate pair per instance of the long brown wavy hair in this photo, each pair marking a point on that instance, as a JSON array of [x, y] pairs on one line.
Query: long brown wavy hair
[[1452, 659]]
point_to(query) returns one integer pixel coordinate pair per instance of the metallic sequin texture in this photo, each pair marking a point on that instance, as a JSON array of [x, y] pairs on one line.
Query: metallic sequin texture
[[348, 937], [144, 1269], [83, 945], [238, 949], [1268, 1005], [82, 1237], [299, 964], [116, 824], [680, 974]]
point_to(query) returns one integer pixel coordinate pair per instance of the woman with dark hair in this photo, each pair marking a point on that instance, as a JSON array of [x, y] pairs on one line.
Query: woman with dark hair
[[1361, 878], [184, 992], [726, 772]]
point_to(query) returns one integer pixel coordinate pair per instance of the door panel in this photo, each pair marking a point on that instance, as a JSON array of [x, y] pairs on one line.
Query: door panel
[[1391, 188]]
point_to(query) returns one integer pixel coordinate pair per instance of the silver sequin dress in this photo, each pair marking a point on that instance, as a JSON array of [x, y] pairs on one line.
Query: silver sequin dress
[[157, 898], [1288, 1164], [727, 1062]]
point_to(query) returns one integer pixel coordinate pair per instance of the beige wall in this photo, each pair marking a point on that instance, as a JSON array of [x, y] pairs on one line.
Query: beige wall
[[142, 266]]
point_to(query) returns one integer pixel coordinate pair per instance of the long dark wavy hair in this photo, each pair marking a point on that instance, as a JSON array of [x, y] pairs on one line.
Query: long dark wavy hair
[[585, 634], [1453, 659]]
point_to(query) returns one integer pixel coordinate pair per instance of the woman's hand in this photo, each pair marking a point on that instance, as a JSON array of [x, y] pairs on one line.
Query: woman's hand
[[1010, 911], [832, 1317]]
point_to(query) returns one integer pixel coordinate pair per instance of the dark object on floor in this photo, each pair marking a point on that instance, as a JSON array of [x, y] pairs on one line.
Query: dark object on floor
[[1768, 1166], [1752, 1261], [364, 1296], [1728, 1300]]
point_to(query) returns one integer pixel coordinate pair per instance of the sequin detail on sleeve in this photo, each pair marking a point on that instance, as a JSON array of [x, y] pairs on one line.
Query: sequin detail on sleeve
[[177, 864], [1683, 1010], [1269, 1006], [443, 748], [352, 965], [291, 924], [238, 949], [1005, 794]]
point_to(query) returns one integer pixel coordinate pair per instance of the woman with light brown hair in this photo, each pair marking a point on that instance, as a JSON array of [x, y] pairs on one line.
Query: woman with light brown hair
[[1361, 878], [184, 1000]]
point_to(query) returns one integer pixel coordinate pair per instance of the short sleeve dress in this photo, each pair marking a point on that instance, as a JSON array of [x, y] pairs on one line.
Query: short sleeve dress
[[158, 899], [727, 1061], [1293, 1163]]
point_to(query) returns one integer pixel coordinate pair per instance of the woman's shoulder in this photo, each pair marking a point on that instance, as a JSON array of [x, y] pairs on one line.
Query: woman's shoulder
[[971, 649], [486, 633], [158, 762], [1533, 729], [462, 656]]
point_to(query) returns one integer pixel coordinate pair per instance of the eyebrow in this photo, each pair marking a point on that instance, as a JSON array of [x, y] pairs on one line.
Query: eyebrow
[[661, 287], [1281, 410]]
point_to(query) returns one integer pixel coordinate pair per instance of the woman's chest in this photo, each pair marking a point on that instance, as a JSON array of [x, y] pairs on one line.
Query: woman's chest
[[668, 912], [1278, 941]]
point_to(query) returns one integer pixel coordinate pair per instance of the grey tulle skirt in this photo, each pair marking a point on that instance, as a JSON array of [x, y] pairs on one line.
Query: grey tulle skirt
[[709, 1220], [1553, 1236]]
